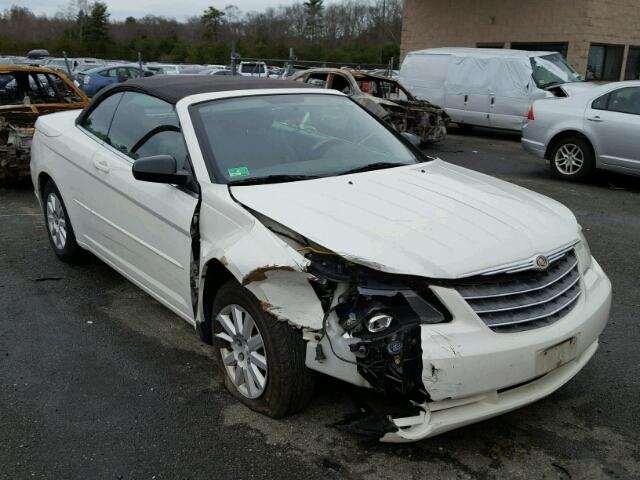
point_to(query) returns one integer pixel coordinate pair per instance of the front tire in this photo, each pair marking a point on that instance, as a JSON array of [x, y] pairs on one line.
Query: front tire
[[572, 159], [59, 228], [260, 359]]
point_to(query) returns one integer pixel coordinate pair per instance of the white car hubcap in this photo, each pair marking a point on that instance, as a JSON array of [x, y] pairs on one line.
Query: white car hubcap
[[569, 159], [244, 355], [56, 221]]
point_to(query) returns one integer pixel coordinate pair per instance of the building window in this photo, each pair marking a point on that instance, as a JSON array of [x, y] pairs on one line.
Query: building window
[[632, 71], [560, 47], [605, 62], [490, 45]]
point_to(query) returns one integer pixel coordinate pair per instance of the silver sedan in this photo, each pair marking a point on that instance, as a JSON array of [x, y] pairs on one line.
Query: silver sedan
[[593, 128]]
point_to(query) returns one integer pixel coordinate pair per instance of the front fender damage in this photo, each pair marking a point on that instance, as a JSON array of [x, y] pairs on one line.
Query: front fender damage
[[280, 282], [286, 293], [328, 298]]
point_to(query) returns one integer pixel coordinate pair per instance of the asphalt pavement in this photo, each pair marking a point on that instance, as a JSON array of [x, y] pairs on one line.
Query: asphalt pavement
[[97, 380]]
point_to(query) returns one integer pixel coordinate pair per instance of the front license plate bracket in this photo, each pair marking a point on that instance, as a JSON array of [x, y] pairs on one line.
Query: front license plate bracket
[[555, 356]]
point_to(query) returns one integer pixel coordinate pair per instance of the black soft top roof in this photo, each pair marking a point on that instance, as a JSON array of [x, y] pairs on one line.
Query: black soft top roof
[[173, 88]]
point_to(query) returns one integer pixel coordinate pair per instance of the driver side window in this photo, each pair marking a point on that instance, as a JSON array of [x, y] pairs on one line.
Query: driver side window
[[144, 126], [99, 119]]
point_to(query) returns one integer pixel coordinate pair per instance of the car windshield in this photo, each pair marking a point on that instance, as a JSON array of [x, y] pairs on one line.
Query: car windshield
[[267, 137], [553, 69]]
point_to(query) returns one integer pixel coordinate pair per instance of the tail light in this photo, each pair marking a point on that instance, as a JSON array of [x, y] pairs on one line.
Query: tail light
[[530, 115]]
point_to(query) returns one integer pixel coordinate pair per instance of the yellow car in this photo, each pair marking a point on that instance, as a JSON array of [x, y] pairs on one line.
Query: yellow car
[[26, 92]]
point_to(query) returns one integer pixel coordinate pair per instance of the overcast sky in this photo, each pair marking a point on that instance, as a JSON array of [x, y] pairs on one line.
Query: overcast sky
[[120, 9]]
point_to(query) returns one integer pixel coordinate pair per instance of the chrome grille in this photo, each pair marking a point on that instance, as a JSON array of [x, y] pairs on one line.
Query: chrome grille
[[509, 302]]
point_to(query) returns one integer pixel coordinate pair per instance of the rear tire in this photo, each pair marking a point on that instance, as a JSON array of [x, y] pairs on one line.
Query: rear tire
[[260, 360], [572, 159], [59, 229]]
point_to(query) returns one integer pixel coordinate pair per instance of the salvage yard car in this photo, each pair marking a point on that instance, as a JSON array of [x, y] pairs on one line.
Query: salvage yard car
[[26, 92], [487, 87], [297, 233], [595, 128], [385, 98]]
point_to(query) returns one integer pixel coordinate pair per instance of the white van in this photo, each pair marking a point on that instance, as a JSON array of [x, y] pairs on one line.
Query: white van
[[486, 87], [253, 69]]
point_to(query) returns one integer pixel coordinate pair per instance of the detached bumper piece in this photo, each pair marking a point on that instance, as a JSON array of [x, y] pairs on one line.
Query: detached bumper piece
[[446, 415]]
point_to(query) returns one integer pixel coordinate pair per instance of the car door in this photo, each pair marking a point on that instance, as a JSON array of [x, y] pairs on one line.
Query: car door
[[110, 76], [509, 94], [78, 174], [133, 72], [144, 229], [467, 91], [613, 122]]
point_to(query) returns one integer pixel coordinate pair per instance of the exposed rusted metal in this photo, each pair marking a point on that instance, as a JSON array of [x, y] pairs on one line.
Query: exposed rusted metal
[[16, 132], [17, 121], [392, 102], [260, 274]]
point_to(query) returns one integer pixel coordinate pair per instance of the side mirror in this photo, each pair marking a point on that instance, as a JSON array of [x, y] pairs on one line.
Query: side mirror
[[122, 78], [160, 169], [413, 139]]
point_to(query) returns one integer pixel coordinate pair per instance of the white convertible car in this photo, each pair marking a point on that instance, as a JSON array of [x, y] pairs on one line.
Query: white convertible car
[[298, 233]]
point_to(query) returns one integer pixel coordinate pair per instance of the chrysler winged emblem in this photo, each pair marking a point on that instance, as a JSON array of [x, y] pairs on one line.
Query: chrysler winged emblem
[[542, 262]]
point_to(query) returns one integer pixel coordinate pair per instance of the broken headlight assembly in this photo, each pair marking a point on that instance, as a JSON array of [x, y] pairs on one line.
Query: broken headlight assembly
[[378, 314], [384, 314]]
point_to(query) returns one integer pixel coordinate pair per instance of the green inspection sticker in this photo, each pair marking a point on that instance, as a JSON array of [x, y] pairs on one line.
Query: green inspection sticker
[[238, 172]]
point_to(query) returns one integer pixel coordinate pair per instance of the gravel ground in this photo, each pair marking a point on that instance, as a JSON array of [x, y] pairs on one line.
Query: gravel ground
[[97, 380]]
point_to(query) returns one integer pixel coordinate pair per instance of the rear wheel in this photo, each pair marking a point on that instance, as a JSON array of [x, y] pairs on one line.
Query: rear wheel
[[572, 159], [59, 228], [260, 359]]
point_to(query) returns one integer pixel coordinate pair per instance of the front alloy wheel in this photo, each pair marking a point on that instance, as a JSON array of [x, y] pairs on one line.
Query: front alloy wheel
[[259, 358], [572, 158], [243, 354], [56, 221]]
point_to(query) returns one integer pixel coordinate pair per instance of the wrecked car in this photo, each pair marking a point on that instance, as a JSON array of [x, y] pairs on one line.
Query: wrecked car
[[27, 92], [297, 233], [384, 97]]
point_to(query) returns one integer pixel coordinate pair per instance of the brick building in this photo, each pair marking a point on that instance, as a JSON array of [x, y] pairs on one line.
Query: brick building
[[600, 38]]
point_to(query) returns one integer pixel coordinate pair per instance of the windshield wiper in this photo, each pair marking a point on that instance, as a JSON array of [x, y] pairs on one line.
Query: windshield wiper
[[374, 166], [270, 179]]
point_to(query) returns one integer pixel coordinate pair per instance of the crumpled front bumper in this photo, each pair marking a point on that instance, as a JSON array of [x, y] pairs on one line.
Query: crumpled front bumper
[[473, 373]]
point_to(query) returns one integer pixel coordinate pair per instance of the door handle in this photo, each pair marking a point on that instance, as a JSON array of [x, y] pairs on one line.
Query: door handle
[[493, 100], [101, 165], [466, 99], [595, 119]]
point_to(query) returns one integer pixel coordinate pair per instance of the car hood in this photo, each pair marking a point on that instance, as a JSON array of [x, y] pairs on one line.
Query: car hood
[[433, 219]]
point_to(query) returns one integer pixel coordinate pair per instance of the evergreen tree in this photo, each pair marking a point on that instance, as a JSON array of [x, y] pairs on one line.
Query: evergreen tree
[[313, 10], [97, 28], [211, 19]]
